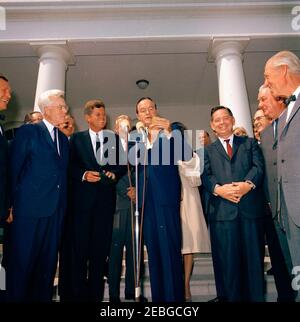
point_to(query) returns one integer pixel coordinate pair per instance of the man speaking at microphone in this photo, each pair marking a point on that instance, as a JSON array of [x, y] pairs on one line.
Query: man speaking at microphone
[[161, 222]]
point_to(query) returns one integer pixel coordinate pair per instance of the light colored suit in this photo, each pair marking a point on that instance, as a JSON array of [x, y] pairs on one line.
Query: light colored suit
[[288, 167]]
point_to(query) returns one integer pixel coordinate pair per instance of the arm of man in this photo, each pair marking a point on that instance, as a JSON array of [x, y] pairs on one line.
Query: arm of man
[[255, 175]]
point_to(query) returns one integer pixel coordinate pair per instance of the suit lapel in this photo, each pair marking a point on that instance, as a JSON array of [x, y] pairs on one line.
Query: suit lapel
[[294, 111], [236, 144], [281, 124], [89, 147], [221, 149], [46, 134]]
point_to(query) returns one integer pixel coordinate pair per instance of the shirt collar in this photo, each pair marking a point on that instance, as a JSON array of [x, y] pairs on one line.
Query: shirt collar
[[94, 134], [229, 137], [49, 126]]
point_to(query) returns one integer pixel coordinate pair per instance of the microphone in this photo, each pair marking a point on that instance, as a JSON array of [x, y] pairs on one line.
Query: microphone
[[140, 127]]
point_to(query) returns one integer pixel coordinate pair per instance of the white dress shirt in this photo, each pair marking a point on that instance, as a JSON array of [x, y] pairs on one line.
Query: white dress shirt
[[93, 136], [50, 128], [291, 105], [222, 140]]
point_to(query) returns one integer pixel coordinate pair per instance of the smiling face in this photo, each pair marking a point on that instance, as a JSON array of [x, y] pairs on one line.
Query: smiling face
[[270, 106], [275, 79], [96, 119], [5, 94], [222, 123]]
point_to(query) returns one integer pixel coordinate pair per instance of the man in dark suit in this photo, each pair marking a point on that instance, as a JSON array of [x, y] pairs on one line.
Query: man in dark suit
[[233, 174], [39, 159], [275, 236], [5, 95], [162, 227], [282, 76], [92, 203]]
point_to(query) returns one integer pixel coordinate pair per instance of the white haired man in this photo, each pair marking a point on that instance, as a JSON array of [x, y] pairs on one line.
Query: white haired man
[[282, 76], [39, 159]]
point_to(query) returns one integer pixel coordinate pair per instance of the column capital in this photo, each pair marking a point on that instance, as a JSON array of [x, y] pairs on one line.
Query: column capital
[[57, 50], [221, 47]]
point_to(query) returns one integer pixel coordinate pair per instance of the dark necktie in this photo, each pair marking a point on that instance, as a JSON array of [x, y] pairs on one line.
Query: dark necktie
[[98, 150], [56, 139], [275, 124], [2, 117], [290, 99], [229, 148]]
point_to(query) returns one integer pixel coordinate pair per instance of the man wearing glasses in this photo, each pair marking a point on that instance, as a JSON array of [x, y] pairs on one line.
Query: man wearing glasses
[[39, 159]]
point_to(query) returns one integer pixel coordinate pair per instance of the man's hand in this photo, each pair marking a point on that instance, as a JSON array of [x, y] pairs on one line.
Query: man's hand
[[110, 175], [159, 123], [243, 187], [92, 176], [229, 192], [131, 193], [10, 217]]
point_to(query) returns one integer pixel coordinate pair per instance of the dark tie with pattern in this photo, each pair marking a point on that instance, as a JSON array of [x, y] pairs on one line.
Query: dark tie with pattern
[[98, 150], [56, 139], [275, 122], [229, 148]]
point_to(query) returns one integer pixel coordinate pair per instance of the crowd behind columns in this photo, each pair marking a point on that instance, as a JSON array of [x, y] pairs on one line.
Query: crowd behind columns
[[68, 199]]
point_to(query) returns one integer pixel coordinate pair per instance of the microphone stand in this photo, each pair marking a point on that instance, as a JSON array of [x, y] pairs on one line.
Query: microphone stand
[[137, 229]]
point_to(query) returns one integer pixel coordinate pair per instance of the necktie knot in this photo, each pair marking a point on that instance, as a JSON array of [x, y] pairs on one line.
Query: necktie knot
[[290, 99], [228, 147]]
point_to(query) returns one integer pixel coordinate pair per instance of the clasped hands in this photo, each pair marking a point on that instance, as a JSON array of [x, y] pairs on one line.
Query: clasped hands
[[95, 176], [233, 191]]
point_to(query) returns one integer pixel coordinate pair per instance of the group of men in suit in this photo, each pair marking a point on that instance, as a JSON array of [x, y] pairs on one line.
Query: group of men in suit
[[255, 191], [240, 176]]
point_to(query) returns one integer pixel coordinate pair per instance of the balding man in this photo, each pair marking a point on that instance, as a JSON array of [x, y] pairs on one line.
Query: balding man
[[279, 252], [282, 76]]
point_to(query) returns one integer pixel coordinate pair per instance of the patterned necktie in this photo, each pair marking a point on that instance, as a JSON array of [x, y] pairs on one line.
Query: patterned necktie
[[229, 148], [98, 150], [56, 139], [275, 122]]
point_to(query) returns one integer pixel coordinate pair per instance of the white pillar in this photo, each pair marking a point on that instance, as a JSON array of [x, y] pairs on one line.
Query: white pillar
[[54, 60], [231, 80]]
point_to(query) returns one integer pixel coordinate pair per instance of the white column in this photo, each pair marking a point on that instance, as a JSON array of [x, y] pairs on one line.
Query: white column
[[54, 60], [231, 80]]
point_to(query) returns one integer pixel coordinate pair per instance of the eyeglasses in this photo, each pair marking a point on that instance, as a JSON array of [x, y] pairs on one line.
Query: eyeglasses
[[258, 118], [61, 107]]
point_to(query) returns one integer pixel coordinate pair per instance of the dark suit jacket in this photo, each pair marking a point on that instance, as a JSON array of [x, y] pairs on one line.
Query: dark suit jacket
[[38, 173], [246, 164], [3, 176], [162, 175], [82, 158], [269, 147]]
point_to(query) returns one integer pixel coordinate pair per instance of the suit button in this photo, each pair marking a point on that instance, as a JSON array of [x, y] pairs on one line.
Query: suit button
[[274, 163], [58, 186], [282, 161]]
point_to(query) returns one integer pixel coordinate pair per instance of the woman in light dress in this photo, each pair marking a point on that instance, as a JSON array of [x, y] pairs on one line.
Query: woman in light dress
[[195, 237]]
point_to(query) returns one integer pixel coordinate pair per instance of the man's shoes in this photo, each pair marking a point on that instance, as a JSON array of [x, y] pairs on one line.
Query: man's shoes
[[142, 298], [218, 299], [114, 299]]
